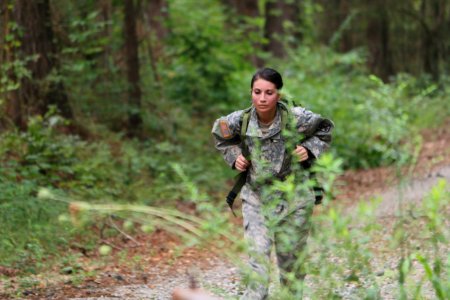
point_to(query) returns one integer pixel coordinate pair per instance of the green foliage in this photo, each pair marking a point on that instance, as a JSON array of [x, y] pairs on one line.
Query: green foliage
[[204, 54], [89, 70], [29, 229], [11, 72], [104, 170]]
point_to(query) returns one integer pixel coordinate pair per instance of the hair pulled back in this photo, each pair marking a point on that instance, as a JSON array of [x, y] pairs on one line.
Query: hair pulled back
[[269, 75]]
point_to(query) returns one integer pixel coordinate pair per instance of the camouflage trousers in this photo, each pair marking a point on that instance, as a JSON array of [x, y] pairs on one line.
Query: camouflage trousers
[[285, 228]]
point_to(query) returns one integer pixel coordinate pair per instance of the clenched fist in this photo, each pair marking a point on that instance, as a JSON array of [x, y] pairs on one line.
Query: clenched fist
[[241, 163], [301, 153]]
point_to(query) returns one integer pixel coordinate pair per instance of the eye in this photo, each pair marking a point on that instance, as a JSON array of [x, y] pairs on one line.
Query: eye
[[256, 91]]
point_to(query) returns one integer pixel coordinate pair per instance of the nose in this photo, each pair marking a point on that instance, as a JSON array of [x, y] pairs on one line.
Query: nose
[[262, 97]]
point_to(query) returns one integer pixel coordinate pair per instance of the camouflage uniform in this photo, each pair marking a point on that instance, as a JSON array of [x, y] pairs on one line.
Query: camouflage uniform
[[269, 214]]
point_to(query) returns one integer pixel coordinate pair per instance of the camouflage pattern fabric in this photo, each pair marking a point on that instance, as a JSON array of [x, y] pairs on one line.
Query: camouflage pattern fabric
[[265, 225], [270, 215]]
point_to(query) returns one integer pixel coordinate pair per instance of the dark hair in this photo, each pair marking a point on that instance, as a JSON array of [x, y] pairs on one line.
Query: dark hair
[[269, 75]]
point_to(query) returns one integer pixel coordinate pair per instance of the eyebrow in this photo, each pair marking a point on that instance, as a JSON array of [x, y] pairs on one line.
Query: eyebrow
[[269, 90]]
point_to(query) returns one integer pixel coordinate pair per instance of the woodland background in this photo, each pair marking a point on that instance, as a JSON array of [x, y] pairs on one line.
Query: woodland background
[[106, 101]]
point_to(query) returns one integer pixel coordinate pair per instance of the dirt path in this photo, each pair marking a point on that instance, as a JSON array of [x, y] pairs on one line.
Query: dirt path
[[156, 275], [405, 194], [222, 277], [156, 279]]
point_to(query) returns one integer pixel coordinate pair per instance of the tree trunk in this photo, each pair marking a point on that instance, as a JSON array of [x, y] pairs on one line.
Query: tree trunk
[[275, 31], [158, 11], [39, 91], [132, 70], [13, 108], [346, 43], [446, 43], [244, 7], [380, 61], [430, 37], [330, 20], [156, 15], [105, 8]]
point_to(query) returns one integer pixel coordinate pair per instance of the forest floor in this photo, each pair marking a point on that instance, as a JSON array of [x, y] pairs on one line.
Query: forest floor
[[152, 266]]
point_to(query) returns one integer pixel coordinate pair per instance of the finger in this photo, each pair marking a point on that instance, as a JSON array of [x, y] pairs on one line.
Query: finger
[[300, 154], [301, 149], [301, 157], [243, 163]]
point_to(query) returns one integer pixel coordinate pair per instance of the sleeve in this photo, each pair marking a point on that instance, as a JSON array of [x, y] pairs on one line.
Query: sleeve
[[226, 133], [316, 130]]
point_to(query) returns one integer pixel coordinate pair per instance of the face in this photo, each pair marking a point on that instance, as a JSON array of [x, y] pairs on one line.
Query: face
[[265, 97]]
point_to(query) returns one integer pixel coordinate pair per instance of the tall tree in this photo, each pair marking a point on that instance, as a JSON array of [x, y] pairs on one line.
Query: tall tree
[[132, 69], [282, 21], [245, 7], [378, 41], [433, 20], [13, 106], [105, 7], [427, 35], [156, 15], [158, 11], [346, 42], [41, 88], [335, 24]]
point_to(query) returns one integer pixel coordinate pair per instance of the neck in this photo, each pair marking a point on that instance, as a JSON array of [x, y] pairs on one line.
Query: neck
[[268, 117]]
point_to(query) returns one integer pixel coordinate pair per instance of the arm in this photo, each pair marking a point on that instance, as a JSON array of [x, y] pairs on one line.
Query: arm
[[226, 132], [317, 131]]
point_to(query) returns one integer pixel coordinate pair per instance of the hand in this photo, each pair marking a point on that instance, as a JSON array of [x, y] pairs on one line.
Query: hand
[[301, 153], [241, 163]]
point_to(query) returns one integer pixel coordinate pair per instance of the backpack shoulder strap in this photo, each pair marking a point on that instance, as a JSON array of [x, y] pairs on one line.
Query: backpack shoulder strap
[[244, 121], [285, 114]]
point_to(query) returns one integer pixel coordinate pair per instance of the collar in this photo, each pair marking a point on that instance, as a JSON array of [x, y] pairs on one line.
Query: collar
[[253, 129]]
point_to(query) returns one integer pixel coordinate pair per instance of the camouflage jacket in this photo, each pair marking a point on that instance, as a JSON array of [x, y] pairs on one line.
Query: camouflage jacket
[[269, 156]]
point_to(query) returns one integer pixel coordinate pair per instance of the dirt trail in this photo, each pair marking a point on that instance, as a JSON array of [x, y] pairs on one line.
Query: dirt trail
[[156, 276], [405, 194], [221, 276]]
